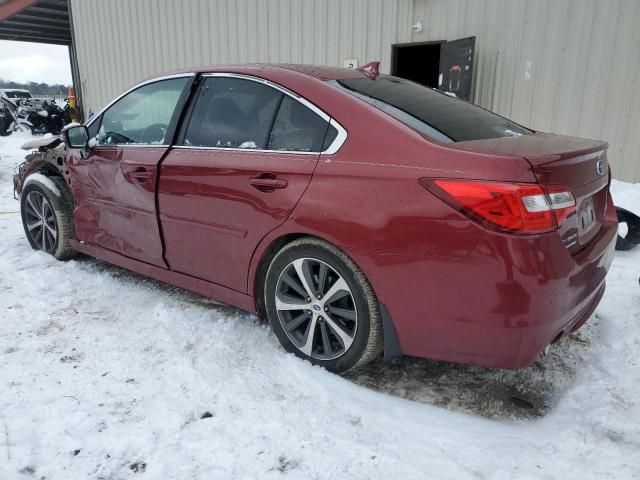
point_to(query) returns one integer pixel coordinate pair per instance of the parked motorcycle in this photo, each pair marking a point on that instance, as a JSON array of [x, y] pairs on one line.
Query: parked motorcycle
[[49, 118], [8, 116]]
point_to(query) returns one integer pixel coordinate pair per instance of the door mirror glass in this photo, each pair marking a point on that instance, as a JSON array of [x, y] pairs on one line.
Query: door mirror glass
[[76, 137]]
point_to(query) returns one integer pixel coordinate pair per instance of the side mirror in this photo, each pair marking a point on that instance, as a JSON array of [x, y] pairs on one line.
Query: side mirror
[[76, 136]]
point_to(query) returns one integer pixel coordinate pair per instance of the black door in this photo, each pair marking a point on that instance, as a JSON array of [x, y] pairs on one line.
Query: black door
[[456, 67]]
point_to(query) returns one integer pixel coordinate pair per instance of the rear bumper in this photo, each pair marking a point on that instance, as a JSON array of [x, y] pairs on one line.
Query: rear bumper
[[501, 305]]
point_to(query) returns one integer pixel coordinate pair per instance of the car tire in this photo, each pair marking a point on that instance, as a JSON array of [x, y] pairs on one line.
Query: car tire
[[346, 324], [46, 207]]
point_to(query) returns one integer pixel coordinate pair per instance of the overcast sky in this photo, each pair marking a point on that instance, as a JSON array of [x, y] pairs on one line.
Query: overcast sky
[[34, 62]]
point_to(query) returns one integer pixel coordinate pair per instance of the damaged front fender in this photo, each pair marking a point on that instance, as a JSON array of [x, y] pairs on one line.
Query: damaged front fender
[[48, 155]]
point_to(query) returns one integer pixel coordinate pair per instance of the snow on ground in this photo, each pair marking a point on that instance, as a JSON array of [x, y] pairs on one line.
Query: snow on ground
[[105, 374]]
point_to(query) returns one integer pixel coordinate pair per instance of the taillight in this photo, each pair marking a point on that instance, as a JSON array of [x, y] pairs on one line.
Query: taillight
[[523, 208]]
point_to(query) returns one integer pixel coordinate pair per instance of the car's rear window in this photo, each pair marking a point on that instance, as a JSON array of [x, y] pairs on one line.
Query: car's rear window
[[439, 116]]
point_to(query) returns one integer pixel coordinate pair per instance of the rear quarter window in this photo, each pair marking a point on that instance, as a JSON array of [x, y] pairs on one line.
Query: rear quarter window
[[441, 117], [298, 129]]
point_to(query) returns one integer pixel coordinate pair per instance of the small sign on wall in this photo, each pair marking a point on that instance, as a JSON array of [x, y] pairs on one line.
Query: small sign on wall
[[528, 69], [350, 63]]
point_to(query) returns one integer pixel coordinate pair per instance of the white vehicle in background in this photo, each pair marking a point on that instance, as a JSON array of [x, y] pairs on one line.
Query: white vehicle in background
[[9, 121], [23, 97], [16, 94]]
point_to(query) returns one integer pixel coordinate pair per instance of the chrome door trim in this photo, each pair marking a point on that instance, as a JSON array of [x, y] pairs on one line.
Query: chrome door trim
[[330, 150], [294, 95], [130, 145], [135, 87], [243, 150], [338, 141]]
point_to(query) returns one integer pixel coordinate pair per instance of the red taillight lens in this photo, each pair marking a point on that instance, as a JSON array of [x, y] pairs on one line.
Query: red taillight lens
[[511, 207]]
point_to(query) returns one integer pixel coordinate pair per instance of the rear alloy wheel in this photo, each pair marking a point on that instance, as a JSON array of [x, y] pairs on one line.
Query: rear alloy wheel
[[46, 206], [316, 309], [321, 306]]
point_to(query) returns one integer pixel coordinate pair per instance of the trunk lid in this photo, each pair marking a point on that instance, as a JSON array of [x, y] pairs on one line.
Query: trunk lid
[[556, 160]]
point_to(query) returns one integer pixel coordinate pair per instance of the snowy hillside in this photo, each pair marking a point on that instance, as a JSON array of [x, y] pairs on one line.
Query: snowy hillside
[[105, 374]]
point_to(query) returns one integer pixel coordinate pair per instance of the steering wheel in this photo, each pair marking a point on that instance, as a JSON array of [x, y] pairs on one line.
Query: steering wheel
[[154, 133], [116, 138]]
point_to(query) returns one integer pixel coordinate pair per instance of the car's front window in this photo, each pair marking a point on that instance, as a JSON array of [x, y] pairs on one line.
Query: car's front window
[[439, 116], [142, 116]]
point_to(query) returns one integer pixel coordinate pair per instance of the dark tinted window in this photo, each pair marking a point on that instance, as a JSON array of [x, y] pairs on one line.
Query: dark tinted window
[[438, 115], [232, 113], [297, 128]]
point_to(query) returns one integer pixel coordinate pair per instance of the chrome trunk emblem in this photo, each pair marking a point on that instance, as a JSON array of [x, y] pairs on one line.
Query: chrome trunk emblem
[[600, 167]]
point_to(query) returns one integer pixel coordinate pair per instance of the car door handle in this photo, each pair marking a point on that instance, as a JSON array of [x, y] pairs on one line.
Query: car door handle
[[140, 174], [267, 182]]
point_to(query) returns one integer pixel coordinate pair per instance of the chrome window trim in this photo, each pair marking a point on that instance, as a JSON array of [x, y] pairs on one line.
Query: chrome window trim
[[246, 150], [131, 145], [338, 141], [284, 90], [330, 150], [135, 87]]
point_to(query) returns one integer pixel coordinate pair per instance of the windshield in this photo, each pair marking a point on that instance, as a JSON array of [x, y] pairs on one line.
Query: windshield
[[443, 118]]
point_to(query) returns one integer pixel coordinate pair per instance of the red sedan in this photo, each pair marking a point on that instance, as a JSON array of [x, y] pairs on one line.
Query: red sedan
[[360, 213]]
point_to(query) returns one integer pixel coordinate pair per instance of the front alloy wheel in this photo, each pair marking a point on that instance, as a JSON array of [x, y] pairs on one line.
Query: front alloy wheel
[[40, 221], [46, 207]]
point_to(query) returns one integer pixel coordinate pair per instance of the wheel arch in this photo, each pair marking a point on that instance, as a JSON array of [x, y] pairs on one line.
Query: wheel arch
[[37, 166], [261, 259]]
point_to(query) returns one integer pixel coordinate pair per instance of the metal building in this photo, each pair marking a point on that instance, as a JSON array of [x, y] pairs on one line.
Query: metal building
[[564, 66]]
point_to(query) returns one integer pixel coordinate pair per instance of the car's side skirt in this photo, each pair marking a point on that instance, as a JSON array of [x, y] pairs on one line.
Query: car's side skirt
[[202, 287]]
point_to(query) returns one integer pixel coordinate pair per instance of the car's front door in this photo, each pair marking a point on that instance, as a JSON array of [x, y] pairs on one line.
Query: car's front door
[[114, 186], [247, 153]]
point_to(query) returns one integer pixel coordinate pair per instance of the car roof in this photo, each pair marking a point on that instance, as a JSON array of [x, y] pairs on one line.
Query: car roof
[[317, 71], [14, 90]]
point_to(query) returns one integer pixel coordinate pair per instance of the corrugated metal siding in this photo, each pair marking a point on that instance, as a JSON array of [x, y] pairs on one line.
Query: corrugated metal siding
[[585, 53], [120, 42]]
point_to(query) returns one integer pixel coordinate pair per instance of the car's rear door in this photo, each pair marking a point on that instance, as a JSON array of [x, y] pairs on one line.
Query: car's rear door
[[114, 185], [246, 154]]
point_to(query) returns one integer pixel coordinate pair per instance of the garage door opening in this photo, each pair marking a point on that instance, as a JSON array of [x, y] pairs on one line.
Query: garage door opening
[[419, 62], [447, 66]]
